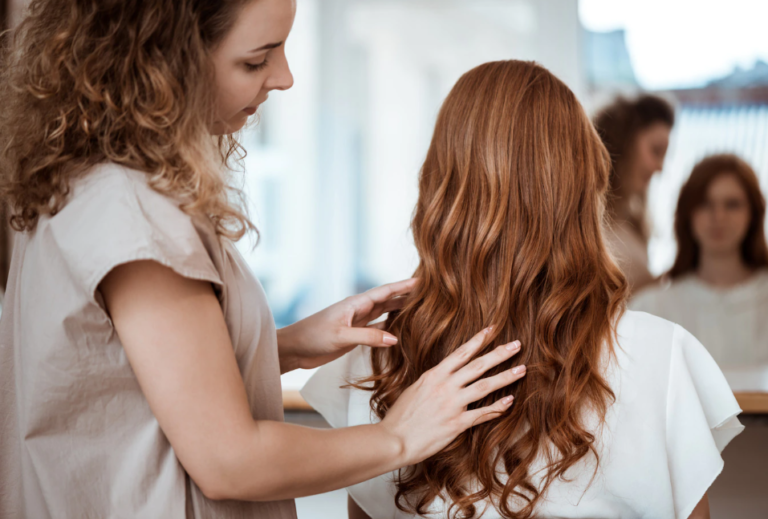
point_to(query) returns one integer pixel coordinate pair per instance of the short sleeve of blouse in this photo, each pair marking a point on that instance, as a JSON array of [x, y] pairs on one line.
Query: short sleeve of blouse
[[701, 421], [114, 217], [326, 393]]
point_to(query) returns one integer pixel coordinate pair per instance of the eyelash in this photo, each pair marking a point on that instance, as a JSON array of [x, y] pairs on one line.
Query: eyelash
[[258, 66]]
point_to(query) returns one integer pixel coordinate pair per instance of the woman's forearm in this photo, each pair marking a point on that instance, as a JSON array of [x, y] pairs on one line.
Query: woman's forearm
[[289, 360], [354, 511], [281, 461], [176, 339]]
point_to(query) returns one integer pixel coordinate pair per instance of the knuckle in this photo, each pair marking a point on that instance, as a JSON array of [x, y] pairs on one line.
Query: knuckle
[[466, 421], [479, 367], [463, 353], [483, 386]]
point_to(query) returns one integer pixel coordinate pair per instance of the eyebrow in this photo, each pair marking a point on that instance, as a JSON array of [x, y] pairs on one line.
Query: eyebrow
[[268, 46]]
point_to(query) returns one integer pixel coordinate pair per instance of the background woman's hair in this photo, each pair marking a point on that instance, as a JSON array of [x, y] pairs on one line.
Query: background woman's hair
[[126, 81], [693, 194], [618, 125], [508, 229]]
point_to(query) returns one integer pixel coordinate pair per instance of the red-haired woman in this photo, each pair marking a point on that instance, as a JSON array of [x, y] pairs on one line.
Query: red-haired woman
[[621, 414], [719, 281], [139, 361], [636, 134]]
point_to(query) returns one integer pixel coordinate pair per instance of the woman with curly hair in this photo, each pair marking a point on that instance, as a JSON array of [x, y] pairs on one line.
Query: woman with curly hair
[[139, 361], [621, 414], [636, 135]]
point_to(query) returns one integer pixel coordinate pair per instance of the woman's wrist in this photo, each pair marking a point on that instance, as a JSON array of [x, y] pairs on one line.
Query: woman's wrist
[[286, 350], [394, 444]]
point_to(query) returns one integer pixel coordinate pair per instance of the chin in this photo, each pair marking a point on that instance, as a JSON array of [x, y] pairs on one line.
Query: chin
[[721, 248], [231, 126]]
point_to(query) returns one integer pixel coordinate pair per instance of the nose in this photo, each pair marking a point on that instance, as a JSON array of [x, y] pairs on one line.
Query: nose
[[720, 213], [281, 77]]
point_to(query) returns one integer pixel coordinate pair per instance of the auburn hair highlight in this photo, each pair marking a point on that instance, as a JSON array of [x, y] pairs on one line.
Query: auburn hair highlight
[[508, 227], [85, 82]]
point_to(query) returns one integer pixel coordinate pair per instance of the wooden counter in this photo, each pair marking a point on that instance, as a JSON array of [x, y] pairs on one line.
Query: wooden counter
[[750, 403], [292, 401]]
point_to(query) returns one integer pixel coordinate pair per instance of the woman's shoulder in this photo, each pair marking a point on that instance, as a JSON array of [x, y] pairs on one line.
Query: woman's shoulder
[[113, 216], [640, 325], [646, 346], [673, 405], [657, 297], [108, 183], [661, 357]]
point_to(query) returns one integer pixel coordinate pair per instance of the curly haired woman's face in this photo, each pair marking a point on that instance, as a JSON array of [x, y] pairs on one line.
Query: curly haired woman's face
[[250, 61], [650, 148]]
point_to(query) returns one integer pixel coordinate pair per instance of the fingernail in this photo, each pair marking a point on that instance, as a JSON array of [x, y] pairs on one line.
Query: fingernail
[[488, 330], [513, 346], [518, 370], [390, 340], [507, 400]]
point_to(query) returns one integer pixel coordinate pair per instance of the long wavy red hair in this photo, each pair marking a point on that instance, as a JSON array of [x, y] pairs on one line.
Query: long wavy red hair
[[508, 227]]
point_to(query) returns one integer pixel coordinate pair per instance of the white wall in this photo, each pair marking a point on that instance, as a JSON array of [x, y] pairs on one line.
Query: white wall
[[416, 50]]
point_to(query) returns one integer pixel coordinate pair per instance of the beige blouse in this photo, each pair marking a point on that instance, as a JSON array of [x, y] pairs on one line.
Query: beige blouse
[[77, 437], [730, 322]]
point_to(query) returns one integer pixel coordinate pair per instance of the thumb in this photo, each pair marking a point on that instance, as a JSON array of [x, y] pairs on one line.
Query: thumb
[[367, 337]]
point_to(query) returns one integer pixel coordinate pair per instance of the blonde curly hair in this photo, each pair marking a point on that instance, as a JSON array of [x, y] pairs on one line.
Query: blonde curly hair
[[126, 81]]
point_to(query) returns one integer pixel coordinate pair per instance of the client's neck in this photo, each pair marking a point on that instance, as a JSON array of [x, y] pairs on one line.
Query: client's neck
[[724, 269]]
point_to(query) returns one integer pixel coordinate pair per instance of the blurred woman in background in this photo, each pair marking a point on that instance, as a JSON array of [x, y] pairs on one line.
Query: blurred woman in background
[[719, 281], [636, 134]]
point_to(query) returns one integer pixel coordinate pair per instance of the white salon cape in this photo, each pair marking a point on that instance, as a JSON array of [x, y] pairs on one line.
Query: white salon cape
[[659, 447], [731, 323]]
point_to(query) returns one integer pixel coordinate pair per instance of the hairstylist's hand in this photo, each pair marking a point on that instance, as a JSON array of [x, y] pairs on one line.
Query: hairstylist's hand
[[329, 334], [433, 412]]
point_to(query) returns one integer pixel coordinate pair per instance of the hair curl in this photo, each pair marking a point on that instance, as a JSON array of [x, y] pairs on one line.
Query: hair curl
[[124, 81], [508, 227]]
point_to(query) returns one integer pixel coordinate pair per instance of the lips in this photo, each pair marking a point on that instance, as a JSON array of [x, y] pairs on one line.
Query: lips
[[250, 110]]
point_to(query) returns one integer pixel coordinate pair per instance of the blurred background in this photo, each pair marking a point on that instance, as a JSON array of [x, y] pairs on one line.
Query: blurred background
[[332, 165]]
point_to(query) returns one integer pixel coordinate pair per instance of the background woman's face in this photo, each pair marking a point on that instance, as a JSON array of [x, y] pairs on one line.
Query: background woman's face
[[647, 156], [250, 62], [721, 222]]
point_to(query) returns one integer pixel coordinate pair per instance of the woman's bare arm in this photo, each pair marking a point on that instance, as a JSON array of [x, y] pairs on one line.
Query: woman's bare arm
[[354, 511], [176, 339], [702, 509]]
